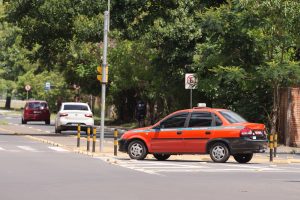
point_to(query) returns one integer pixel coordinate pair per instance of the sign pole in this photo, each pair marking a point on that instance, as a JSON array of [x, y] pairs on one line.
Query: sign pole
[[27, 94], [191, 98], [104, 79]]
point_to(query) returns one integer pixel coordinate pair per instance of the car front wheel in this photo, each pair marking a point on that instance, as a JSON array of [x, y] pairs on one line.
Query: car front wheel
[[137, 150], [243, 157], [219, 152], [160, 156]]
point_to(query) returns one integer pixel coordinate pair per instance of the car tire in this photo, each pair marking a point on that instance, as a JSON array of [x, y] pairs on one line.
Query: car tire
[[243, 157], [57, 130], [23, 121], [161, 156], [47, 121], [137, 150], [219, 152]]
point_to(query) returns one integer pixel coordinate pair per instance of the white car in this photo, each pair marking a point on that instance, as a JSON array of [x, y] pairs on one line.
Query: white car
[[71, 114]]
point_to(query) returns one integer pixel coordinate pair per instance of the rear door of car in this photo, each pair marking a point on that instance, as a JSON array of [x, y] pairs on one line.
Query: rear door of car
[[199, 130], [168, 138]]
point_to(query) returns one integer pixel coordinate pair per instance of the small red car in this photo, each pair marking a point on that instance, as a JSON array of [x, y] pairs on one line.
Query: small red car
[[201, 130], [36, 111]]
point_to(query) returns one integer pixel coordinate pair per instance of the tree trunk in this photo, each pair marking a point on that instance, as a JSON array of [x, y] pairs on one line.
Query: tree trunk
[[274, 118], [8, 102]]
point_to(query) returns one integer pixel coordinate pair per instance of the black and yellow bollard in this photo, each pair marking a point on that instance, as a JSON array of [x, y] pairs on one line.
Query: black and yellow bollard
[[78, 135], [94, 139], [271, 144], [115, 142], [275, 144], [88, 138]]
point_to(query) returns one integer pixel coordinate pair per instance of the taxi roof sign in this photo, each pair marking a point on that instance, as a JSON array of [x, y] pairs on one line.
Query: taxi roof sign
[[201, 105]]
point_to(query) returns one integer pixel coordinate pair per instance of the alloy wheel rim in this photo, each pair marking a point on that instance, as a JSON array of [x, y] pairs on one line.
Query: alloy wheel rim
[[136, 150], [218, 152]]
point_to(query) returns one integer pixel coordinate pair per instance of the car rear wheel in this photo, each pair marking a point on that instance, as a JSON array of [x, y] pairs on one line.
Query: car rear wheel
[[47, 121], [219, 152], [243, 157], [160, 156], [23, 121], [57, 130], [137, 150]]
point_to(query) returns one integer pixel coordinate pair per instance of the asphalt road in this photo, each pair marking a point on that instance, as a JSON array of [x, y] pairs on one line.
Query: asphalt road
[[33, 170], [47, 129]]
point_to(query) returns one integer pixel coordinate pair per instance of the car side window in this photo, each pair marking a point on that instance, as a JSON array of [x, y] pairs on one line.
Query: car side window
[[176, 121], [200, 119]]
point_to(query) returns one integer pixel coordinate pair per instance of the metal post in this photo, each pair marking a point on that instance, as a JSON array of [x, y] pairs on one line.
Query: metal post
[[78, 135], [94, 139], [115, 142], [27, 94], [271, 147], [191, 98], [103, 91], [88, 139], [275, 145]]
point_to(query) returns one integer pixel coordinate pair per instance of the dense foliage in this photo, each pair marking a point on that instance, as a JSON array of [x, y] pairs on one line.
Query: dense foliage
[[242, 52]]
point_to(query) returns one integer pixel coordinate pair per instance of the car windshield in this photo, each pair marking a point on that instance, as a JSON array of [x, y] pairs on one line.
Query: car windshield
[[232, 117], [37, 105], [75, 107]]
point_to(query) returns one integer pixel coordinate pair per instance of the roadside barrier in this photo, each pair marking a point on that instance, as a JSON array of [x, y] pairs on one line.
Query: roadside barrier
[[271, 145], [94, 139], [88, 138], [115, 142], [78, 135]]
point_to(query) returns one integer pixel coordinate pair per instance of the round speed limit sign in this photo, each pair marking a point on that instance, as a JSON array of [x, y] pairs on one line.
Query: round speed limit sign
[[27, 87]]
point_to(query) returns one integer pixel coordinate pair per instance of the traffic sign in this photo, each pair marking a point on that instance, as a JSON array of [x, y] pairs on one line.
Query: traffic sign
[[191, 81], [47, 86], [99, 76], [27, 87]]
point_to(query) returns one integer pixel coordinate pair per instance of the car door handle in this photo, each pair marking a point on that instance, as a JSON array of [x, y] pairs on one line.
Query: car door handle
[[179, 132], [207, 132]]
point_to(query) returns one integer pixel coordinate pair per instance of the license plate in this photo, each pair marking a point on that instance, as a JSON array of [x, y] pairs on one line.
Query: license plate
[[36, 112], [254, 137]]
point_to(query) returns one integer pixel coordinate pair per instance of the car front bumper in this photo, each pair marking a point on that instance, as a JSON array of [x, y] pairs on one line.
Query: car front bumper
[[123, 145]]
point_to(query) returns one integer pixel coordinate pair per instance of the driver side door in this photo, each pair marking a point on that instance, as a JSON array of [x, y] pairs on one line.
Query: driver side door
[[168, 138]]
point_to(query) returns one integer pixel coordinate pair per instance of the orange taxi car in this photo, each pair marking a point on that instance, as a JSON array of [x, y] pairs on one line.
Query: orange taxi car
[[201, 130]]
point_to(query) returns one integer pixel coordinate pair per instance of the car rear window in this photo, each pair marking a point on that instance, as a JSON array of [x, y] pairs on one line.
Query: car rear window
[[36, 105], [232, 117], [75, 107]]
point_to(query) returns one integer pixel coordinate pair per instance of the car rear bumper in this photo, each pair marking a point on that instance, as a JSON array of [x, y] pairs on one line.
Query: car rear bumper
[[245, 145]]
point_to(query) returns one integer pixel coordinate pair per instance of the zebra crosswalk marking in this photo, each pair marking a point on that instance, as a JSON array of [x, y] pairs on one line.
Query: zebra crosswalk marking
[[27, 148], [59, 149]]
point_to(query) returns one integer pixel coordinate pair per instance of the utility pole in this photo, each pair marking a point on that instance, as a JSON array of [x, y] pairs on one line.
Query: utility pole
[[104, 78]]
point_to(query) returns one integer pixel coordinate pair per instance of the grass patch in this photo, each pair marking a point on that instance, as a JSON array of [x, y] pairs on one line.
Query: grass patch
[[3, 122]]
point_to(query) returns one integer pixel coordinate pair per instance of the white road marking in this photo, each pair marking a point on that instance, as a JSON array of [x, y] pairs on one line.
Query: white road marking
[[2, 149], [27, 148], [59, 149], [47, 131], [159, 167], [38, 129]]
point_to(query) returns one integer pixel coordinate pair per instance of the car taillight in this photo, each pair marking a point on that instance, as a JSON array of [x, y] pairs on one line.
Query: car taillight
[[63, 114], [246, 132], [88, 115]]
